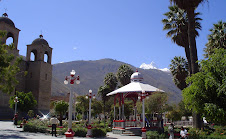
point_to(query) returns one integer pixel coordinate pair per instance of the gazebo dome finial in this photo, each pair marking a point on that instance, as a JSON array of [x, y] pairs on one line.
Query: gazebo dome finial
[[136, 77]]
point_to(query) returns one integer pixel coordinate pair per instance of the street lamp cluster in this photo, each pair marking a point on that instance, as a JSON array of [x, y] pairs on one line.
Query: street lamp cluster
[[70, 79], [89, 96]]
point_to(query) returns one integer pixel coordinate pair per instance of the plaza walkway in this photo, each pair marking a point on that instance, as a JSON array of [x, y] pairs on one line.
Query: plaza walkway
[[9, 131]]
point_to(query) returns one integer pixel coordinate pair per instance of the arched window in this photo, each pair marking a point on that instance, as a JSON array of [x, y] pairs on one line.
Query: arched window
[[33, 55], [46, 57], [9, 40]]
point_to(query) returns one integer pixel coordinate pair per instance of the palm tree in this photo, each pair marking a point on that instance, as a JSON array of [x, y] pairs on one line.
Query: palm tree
[[179, 70], [177, 25], [124, 73], [217, 38], [189, 6], [111, 80]]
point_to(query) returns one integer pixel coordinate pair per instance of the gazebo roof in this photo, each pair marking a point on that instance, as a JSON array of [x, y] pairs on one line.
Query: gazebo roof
[[135, 87]]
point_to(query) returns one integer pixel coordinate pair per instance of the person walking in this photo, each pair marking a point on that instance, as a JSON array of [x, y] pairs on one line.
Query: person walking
[[54, 121], [171, 131]]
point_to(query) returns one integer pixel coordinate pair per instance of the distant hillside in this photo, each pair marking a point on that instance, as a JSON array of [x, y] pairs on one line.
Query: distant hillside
[[92, 74]]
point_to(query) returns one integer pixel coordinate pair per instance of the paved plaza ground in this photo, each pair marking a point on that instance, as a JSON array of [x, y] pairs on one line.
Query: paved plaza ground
[[9, 131]]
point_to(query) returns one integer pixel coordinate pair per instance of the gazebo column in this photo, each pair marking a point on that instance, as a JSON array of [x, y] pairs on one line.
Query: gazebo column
[[135, 115], [114, 112], [123, 115], [119, 108]]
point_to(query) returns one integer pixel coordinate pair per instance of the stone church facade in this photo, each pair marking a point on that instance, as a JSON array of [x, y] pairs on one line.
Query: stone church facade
[[39, 70]]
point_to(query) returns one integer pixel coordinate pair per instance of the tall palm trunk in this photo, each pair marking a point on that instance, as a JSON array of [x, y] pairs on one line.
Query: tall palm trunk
[[194, 58], [191, 39], [187, 52]]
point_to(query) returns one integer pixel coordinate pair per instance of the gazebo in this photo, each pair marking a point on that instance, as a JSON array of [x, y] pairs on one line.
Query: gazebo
[[134, 90]]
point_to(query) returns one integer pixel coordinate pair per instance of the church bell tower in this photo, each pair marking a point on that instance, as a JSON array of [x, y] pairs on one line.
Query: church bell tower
[[39, 75]]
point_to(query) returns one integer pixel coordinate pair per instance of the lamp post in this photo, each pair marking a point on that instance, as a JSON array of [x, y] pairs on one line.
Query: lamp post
[[15, 114], [16, 101], [70, 79], [142, 98], [89, 96]]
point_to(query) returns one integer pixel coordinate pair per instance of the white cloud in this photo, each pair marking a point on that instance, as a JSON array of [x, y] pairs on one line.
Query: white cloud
[[62, 62], [75, 48]]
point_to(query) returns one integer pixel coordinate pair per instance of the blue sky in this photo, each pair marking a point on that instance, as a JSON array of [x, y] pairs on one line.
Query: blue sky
[[126, 30]]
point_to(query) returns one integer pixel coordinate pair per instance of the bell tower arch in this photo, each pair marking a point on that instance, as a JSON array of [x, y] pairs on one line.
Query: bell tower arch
[[11, 31]]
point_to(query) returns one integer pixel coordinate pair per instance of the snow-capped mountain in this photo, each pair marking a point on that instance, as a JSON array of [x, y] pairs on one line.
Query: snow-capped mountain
[[152, 65]]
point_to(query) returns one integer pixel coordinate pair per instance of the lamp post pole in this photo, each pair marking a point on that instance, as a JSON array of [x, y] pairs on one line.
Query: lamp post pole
[[142, 98], [15, 113], [89, 96], [16, 101], [71, 79]]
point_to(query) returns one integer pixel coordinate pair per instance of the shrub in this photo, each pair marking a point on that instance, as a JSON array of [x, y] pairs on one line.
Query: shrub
[[80, 132], [155, 135], [97, 132], [30, 127]]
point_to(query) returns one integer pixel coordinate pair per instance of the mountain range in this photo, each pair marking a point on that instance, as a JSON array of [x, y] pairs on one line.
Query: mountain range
[[92, 74]]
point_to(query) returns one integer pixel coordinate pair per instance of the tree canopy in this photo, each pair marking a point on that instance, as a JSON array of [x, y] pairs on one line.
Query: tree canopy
[[207, 91], [156, 103], [179, 70], [111, 81], [26, 101], [177, 25], [124, 73], [217, 38], [8, 67]]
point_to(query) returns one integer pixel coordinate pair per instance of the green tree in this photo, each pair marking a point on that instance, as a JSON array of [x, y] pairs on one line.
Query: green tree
[[217, 38], [82, 105], [111, 80], [206, 93], [97, 107], [102, 92], [26, 101], [124, 73], [179, 70], [156, 103], [174, 114], [183, 110], [61, 108], [8, 67], [177, 25], [30, 113]]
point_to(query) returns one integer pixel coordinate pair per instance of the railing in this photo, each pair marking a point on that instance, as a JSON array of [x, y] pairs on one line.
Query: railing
[[183, 123], [133, 123], [128, 123], [118, 123]]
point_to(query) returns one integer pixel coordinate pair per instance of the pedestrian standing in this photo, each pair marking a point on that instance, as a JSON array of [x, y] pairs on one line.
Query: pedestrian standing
[[15, 118], [171, 131], [54, 121]]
